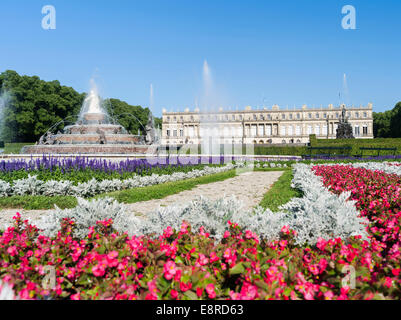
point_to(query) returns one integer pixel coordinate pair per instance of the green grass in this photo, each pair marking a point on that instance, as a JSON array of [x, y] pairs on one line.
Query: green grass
[[37, 202], [161, 191], [280, 193], [15, 148]]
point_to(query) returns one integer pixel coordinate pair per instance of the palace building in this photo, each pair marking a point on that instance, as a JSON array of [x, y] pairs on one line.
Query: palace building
[[267, 126]]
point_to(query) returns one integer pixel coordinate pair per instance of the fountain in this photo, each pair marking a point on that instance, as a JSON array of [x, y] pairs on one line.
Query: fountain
[[344, 129], [94, 132]]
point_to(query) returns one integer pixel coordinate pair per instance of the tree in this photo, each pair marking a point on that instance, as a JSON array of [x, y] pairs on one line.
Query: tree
[[395, 122]]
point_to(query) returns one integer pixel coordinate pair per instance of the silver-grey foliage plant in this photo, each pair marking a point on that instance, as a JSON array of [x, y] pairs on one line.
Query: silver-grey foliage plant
[[34, 186], [318, 214]]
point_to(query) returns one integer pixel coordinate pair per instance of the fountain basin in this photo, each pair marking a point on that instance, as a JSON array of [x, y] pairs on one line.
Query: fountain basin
[[90, 149]]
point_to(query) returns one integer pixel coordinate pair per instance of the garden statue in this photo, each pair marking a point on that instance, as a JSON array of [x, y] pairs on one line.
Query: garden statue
[[344, 129], [150, 130]]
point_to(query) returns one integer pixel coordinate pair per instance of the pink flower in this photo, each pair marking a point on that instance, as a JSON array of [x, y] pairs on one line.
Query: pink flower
[[285, 230], [12, 251], [203, 260], [76, 296], [199, 292], [98, 270], [389, 282], [169, 270], [185, 286], [210, 291], [213, 257], [174, 294]]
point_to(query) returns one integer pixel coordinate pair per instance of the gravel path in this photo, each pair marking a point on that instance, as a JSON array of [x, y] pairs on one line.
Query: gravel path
[[248, 187]]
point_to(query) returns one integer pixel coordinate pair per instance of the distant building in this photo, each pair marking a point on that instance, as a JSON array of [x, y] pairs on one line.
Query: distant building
[[267, 126]]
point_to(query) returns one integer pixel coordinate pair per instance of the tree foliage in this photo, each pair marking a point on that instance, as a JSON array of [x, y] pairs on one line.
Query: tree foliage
[[387, 124], [34, 105]]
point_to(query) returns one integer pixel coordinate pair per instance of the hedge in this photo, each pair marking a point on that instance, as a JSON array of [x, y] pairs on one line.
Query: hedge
[[356, 144]]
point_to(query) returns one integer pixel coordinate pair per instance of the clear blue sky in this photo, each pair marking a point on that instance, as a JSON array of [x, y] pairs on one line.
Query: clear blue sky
[[260, 52]]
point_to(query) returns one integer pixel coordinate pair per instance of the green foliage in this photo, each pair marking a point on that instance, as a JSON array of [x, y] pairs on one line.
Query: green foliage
[[280, 193], [387, 124], [14, 148], [132, 118], [165, 189], [395, 122], [37, 202], [34, 105], [358, 143]]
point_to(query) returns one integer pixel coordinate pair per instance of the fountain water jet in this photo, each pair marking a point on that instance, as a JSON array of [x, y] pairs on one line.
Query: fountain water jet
[[94, 132]]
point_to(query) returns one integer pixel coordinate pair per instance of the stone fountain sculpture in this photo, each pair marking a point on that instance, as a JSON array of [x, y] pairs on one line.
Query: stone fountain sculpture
[[151, 136], [344, 129], [94, 132]]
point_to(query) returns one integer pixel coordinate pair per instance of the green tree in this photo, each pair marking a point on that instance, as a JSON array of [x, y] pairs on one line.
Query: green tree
[[395, 122]]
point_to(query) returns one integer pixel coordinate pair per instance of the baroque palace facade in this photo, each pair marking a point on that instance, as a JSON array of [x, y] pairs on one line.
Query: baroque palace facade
[[267, 126]]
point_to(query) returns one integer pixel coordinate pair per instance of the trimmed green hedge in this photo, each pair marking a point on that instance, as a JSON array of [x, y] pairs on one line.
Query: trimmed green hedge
[[355, 144]]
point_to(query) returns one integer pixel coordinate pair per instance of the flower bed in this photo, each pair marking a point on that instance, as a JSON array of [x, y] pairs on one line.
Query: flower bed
[[34, 186], [81, 169], [181, 263]]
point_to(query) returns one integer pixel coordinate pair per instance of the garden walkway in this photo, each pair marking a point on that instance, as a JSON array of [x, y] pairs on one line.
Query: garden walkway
[[248, 187]]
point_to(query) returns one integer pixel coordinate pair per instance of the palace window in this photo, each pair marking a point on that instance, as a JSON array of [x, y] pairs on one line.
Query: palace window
[[356, 114], [290, 116], [262, 117], [269, 130], [254, 117], [310, 115], [309, 129], [168, 133], [283, 116], [290, 129], [269, 117], [253, 130], [317, 130], [365, 130], [298, 116], [174, 133], [325, 129], [317, 116], [298, 130], [365, 114], [261, 130], [356, 130], [233, 117], [325, 115], [282, 130]]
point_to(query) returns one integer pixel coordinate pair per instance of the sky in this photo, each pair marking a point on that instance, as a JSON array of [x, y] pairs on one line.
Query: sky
[[260, 53]]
